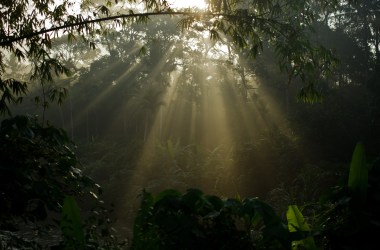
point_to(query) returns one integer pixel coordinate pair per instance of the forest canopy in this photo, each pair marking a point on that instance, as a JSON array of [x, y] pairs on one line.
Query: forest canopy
[[28, 29]]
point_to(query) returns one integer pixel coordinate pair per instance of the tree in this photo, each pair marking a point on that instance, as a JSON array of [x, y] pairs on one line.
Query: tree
[[352, 29], [28, 28]]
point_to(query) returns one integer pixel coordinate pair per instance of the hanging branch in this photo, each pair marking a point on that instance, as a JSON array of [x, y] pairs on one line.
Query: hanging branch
[[142, 16]]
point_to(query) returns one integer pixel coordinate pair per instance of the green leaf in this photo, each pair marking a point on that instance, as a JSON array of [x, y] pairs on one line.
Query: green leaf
[[71, 37], [71, 224], [194, 200], [142, 50], [358, 176], [296, 222], [215, 201]]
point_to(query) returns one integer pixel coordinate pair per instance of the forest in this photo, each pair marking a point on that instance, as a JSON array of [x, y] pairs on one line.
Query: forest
[[205, 124]]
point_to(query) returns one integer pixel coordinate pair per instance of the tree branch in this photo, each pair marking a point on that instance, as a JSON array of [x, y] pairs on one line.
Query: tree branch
[[11, 39]]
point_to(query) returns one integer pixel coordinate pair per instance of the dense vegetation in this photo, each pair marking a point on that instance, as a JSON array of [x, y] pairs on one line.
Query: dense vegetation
[[241, 99]]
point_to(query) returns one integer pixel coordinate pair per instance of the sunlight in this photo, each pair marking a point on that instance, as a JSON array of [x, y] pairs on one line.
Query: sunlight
[[92, 104], [181, 126], [201, 130]]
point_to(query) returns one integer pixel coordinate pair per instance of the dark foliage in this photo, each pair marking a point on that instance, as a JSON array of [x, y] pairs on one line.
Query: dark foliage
[[38, 183], [37, 170], [193, 220], [350, 222]]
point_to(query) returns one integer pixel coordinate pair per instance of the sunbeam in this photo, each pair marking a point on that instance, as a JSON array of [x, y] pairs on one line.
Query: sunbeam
[[194, 117]]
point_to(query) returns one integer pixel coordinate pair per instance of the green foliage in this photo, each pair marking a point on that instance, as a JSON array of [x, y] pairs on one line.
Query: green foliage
[[244, 25], [296, 222], [193, 220], [71, 224], [12, 91], [171, 220], [38, 182], [29, 36], [95, 232], [350, 211], [358, 177], [38, 169]]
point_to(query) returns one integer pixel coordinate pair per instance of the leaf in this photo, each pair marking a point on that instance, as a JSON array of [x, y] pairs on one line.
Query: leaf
[[194, 200], [142, 50], [215, 201], [104, 10], [358, 176], [71, 37], [296, 222], [71, 224], [309, 94], [274, 228]]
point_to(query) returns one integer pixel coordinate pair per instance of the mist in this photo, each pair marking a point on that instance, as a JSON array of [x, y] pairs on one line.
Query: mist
[[155, 108]]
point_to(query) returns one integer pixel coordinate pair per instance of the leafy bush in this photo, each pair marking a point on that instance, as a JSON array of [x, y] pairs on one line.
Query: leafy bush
[[38, 169], [347, 218], [193, 220], [38, 175], [93, 233], [38, 183]]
